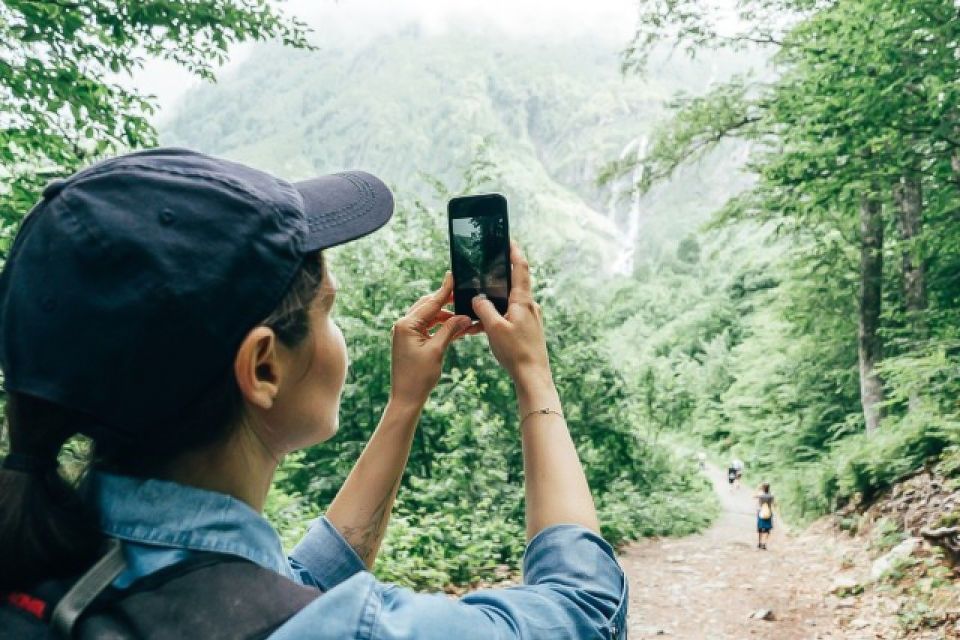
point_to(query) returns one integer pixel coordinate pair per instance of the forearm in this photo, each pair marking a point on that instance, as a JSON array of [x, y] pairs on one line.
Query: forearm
[[556, 486], [361, 509]]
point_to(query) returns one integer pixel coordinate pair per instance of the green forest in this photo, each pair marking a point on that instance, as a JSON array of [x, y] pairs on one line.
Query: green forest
[[833, 362], [745, 240]]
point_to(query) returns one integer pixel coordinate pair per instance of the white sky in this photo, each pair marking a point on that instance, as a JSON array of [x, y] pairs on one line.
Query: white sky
[[363, 19]]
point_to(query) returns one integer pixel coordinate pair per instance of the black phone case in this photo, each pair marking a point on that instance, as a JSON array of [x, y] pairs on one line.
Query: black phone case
[[461, 305]]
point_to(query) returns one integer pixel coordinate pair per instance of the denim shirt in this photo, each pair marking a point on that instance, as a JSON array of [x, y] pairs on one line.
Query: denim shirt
[[573, 586]]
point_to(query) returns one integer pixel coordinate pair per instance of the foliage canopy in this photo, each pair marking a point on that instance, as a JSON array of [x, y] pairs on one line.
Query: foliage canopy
[[63, 96]]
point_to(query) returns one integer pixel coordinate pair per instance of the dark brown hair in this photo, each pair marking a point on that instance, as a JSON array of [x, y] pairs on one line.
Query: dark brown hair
[[47, 529], [766, 487]]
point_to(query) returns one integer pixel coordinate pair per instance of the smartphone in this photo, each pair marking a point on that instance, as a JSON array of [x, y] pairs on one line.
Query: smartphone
[[479, 250]]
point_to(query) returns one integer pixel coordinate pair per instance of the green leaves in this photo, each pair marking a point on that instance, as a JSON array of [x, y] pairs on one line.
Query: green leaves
[[865, 98], [61, 102]]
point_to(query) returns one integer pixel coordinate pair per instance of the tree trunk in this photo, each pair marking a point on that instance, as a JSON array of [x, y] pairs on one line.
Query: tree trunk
[[871, 290], [908, 198], [955, 157], [909, 201]]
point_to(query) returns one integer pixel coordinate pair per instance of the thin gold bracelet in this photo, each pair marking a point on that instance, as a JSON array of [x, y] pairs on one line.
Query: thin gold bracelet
[[544, 411]]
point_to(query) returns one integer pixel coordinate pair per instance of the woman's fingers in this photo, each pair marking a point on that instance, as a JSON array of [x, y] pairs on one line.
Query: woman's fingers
[[472, 330], [488, 314], [428, 312], [427, 299], [427, 307], [442, 316], [520, 286], [449, 331]]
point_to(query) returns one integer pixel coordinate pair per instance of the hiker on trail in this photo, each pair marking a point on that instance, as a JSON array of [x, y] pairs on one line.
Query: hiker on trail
[[732, 477], [176, 309], [764, 515], [701, 460], [737, 466]]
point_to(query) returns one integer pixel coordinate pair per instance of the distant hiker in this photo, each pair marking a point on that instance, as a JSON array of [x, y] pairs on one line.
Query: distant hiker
[[176, 309], [764, 515], [702, 460], [737, 465], [731, 476]]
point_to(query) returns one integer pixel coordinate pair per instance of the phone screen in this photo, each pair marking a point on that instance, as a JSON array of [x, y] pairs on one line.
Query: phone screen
[[480, 250]]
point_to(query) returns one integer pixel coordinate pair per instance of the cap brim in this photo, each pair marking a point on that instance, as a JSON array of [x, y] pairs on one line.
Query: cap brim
[[341, 207]]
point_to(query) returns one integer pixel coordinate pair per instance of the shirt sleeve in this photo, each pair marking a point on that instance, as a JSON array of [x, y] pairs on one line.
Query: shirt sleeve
[[324, 558], [573, 589]]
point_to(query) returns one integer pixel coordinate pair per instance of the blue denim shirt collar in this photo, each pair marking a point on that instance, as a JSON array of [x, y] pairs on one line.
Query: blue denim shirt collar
[[175, 516]]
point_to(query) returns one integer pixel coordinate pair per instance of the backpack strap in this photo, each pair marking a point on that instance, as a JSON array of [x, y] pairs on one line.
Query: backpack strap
[[87, 589], [209, 596]]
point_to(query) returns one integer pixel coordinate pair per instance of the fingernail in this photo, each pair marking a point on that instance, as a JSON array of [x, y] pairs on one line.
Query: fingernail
[[480, 296]]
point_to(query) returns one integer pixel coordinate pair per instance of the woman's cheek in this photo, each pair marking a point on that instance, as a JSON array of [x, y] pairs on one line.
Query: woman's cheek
[[337, 373], [344, 355]]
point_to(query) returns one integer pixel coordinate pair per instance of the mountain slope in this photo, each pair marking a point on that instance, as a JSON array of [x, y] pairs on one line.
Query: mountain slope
[[551, 113]]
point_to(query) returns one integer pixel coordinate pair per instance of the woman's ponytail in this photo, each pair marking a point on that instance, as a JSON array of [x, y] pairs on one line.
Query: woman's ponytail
[[46, 529]]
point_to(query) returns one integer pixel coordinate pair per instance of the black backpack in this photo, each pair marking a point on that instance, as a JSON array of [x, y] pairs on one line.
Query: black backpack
[[210, 596]]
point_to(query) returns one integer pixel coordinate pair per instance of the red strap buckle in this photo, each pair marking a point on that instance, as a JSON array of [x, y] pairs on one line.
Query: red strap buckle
[[25, 602]]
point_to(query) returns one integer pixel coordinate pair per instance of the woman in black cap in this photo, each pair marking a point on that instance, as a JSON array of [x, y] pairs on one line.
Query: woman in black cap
[[175, 308]]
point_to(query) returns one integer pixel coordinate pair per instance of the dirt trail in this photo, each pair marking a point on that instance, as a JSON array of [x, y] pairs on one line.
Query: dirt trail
[[705, 587]]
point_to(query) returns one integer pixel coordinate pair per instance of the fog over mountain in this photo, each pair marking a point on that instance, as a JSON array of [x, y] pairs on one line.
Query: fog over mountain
[[547, 110]]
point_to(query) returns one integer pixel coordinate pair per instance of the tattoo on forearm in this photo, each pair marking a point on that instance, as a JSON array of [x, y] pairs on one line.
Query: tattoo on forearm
[[365, 538]]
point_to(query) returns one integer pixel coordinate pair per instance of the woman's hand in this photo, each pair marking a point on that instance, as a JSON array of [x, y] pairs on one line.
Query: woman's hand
[[517, 338], [417, 355], [555, 485]]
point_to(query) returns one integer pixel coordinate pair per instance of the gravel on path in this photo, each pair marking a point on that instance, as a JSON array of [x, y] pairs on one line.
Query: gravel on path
[[718, 585]]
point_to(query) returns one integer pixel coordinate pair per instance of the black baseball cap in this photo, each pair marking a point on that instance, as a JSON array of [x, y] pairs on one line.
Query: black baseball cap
[[130, 286]]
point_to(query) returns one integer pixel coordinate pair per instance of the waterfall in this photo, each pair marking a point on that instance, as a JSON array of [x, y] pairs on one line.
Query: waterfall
[[624, 260]]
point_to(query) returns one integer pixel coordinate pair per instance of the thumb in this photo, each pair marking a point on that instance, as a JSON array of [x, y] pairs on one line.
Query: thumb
[[446, 333], [488, 314]]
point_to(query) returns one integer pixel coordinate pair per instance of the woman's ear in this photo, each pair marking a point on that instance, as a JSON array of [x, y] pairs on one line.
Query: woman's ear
[[257, 367]]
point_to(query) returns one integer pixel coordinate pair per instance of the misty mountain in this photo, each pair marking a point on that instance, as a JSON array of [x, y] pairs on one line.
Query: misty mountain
[[547, 113]]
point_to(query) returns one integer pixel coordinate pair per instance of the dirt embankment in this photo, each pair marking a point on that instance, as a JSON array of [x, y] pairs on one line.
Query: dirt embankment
[[900, 557]]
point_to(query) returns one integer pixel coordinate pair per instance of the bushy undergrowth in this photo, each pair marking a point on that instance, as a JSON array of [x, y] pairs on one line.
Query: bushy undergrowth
[[862, 465], [683, 504]]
